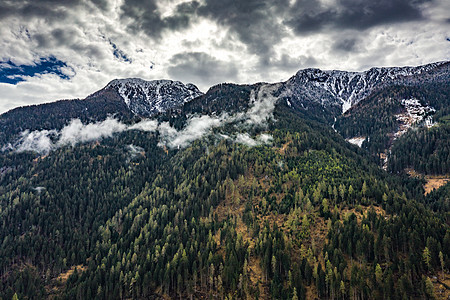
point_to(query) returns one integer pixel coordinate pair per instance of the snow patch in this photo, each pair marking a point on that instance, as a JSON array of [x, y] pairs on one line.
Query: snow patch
[[346, 105], [415, 114], [358, 141]]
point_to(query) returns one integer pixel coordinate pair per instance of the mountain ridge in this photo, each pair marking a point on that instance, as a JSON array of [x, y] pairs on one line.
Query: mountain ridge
[[147, 98], [322, 95], [145, 90], [348, 88]]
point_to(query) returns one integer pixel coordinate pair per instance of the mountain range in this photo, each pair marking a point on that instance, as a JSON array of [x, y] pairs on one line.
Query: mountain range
[[326, 94], [156, 190]]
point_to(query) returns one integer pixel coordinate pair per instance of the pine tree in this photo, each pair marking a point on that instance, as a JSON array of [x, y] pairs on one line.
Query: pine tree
[[294, 294], [378, 274], [342, 289], [426, 257], [364, 189], [441, 260], [429, 288]]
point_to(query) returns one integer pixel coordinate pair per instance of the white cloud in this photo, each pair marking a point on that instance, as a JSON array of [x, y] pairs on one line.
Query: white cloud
[[195, 129], [263, 104], [261, 109], [135, 151], [76, 132], [246, 139], [36, 141], [145, 125]]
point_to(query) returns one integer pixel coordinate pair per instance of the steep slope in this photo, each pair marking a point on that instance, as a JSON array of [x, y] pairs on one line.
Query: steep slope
[[305, 213], [426, 150], [383, 117], [147, 98], [234, 193], [123, 98], [57, 114], [338, 91]]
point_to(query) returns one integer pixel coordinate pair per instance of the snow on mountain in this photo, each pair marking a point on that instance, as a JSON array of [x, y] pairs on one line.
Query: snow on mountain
[[358, 141], [328, 91], [414, 114], [147, 98], [345, 89]]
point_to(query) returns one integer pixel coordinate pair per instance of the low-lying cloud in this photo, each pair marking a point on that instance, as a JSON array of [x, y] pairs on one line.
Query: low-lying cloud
[[74, 133], [263, 104], [196, 128], [135, 151], [36, 141], [246, 139], [262, 107]]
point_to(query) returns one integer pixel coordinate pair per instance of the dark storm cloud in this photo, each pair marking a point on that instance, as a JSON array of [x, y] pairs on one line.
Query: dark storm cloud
[[309, 16], [101, 4], [256, 23], [200, 67], [346, 44], [42, 40], [47, 9], [68, 37], [261, 24], [187, 7], [57, 37], [145, 16], [289, 63]]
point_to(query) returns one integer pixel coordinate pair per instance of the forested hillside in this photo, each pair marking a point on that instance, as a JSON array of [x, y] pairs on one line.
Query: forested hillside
[[425, 150], [304, 216], [377, 118], [57, 114]]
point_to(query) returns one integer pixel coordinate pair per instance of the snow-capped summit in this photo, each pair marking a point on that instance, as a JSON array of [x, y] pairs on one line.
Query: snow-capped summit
[[147, 98], [345, 89]]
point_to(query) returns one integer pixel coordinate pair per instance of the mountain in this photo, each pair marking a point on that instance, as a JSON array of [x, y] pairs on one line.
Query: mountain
[[244, 192], [338, 91], [123, 98], [147, 98], [383, 117], [320, 94]]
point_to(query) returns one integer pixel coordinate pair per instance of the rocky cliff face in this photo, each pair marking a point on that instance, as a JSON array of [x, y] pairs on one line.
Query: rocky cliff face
[[345, 89], [147, 98]]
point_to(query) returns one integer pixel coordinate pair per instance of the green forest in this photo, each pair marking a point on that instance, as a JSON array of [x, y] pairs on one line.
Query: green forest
[[307, 216], [375, 117], [425, 150]]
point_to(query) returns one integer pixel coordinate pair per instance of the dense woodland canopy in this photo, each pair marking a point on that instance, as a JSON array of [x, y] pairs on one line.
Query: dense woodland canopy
[[375, 117], [425, 150], [308, 215]]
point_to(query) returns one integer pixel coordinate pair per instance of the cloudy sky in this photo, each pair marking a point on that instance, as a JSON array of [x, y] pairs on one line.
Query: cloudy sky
[[64, 49]]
